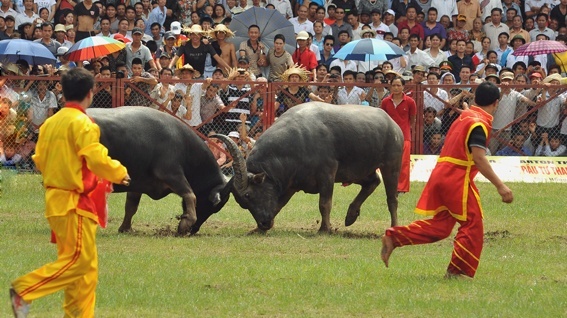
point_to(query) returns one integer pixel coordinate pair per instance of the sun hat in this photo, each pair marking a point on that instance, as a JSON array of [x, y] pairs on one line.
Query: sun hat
[[188, 67], [297, 70], [302, 35], [59, 28]]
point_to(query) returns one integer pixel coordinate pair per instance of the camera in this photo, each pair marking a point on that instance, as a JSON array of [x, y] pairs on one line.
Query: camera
[[120, 74], [241, 72], [334, 76]]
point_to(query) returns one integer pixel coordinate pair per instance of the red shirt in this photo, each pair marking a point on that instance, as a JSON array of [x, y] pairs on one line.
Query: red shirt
[[306, 59], [417, 29], [402, 113]]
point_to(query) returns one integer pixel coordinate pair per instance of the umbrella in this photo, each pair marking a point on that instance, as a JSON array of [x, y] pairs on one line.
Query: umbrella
[[270, 21], [92, 47], [33, 52], [540, 47], [369, 50]]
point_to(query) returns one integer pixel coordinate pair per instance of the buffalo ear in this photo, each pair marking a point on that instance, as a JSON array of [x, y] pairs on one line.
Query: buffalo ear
[[259, 177]]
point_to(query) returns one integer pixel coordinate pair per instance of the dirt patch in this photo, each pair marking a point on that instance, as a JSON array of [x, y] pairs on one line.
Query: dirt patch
[[166, 231], [352, 235], [495, 235]]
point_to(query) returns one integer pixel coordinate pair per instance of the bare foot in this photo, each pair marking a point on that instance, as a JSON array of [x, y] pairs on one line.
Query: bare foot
[[387, 248]]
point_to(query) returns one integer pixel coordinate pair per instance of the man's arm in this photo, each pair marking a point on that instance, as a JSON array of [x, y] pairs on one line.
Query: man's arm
[[484, 167]]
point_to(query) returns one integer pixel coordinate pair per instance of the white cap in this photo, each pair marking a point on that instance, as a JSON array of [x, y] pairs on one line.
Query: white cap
[[234, 134], [390, 11], [175, 27], [62, 50]]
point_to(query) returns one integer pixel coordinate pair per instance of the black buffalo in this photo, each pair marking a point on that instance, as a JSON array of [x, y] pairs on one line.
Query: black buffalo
[[311, 147], [162, 155]]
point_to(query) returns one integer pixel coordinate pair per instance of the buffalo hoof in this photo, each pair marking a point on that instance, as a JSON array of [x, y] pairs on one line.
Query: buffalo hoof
[[124, 229], [351, 216], [185, 225], [324, 229]]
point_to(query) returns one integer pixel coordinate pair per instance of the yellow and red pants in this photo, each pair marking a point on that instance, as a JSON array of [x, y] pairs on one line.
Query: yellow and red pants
[[75, 270], [467, 246]]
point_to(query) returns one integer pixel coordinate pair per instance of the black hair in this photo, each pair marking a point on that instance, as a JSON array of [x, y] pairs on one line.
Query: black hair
[[329, 37], [77, 83], [432, 9], [349, 72], [104, 68], [253, 26], [137, 61], [279, 36], [414, 36], [342, 32], [486, 94]]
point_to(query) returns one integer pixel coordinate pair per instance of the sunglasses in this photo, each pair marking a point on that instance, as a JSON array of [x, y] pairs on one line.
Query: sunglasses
[[328, 44], [378, 77]]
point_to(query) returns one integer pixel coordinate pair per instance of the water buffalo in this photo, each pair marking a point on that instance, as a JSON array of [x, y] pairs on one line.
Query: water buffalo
[[311, 147], [162, 155]]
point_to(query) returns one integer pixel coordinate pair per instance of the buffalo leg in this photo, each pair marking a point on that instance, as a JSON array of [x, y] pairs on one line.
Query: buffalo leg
[[325, 205], [368, 185], [390, 177], [131, 207], [189, 216]]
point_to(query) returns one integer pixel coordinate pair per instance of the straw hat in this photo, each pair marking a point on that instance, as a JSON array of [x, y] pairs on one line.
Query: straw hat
[[194, 29], [222, 28], [189, 68], [297, 70], [552, 77], [363, 32]]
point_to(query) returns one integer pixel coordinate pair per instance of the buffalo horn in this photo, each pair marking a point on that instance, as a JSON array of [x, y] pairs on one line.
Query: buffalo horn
[[238, 165]]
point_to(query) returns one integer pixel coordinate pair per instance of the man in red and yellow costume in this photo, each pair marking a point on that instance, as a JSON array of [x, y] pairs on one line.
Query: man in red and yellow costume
[[73, 163], [450, 195]]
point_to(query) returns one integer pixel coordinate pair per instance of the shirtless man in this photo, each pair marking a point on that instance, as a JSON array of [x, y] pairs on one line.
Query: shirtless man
[[86, 14], [227, 50]]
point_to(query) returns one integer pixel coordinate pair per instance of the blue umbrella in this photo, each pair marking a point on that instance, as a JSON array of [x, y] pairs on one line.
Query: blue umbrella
[[369, 50], [33, 52]]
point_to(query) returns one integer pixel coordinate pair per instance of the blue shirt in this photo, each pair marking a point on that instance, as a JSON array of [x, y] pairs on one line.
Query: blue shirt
[[155, 16], [439, 29]]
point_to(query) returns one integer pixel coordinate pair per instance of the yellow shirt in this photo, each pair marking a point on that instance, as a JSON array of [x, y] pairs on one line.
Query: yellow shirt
[[67, 151]]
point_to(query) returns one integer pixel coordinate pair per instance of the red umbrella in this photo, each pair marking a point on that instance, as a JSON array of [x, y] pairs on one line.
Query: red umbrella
[[94, 46], [540, 47]]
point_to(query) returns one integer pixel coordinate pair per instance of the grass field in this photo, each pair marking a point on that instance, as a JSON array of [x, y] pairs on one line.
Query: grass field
[[294, 272]]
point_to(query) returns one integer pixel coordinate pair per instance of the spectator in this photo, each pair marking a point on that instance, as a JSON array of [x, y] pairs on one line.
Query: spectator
[[459, 59], [195, 51], [559, 13], [458, 31], [156, 36], [303, 56], [175, 106], [86, 14], [191, 93], [471, 10], [43, 104], [417, 56], [400, 8], [283, 6], [210, 104], [157, 15], [446, 7], [27, 15], [46, 40], [352, 19], [350, 94], [8, 117], [542, 28], [412, 24], [377, 25], [278, 58], [380, 6], [548, 115], [487, 7], [512, 59], [60, 36], [103, 95], [164, 60], [435, 52], [9, 156], [476, 35], [236, 97], [505, 113], [301, 23], [222, 46], [515, 147], [216, 147], [164, 89], [389, 19], [136, 49], [434, 96], [143, 81], [550, 146], [433, 143], [402, 110], [253, 50], [489, 63], [376, 93], [494, 28], [340, 25], [347, 5], [432, 27], [296, 92]]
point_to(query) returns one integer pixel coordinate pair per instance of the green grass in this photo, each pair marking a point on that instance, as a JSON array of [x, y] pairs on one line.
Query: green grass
[[294, 272]]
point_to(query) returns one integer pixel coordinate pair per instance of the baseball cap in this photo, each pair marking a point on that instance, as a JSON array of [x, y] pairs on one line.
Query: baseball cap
[[243, 59], [302, 35], [390, 11], [164, 54], [461, 17], [10, 17], [137, 31], [175, 28], [169, 35], [62, 50], [507, 76]]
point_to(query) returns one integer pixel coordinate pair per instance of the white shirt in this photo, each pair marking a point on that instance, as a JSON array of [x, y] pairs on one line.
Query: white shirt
[[380, 30], [419, 58], [344, 98], [283, 6], [489, 6], [22, 18], [444, 7], [431, 101], [506, 110], [350, 65], [44, 4], [40, 107], [196, 92], [301, 26]]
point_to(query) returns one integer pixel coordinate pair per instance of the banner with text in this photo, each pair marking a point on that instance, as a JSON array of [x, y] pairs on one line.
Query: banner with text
[[509, 169]]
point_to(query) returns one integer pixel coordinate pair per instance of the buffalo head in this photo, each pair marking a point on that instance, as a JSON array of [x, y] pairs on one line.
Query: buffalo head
[[255, 192]]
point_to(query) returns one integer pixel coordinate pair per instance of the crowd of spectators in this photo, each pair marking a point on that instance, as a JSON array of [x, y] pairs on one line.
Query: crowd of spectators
[[169, 43]]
